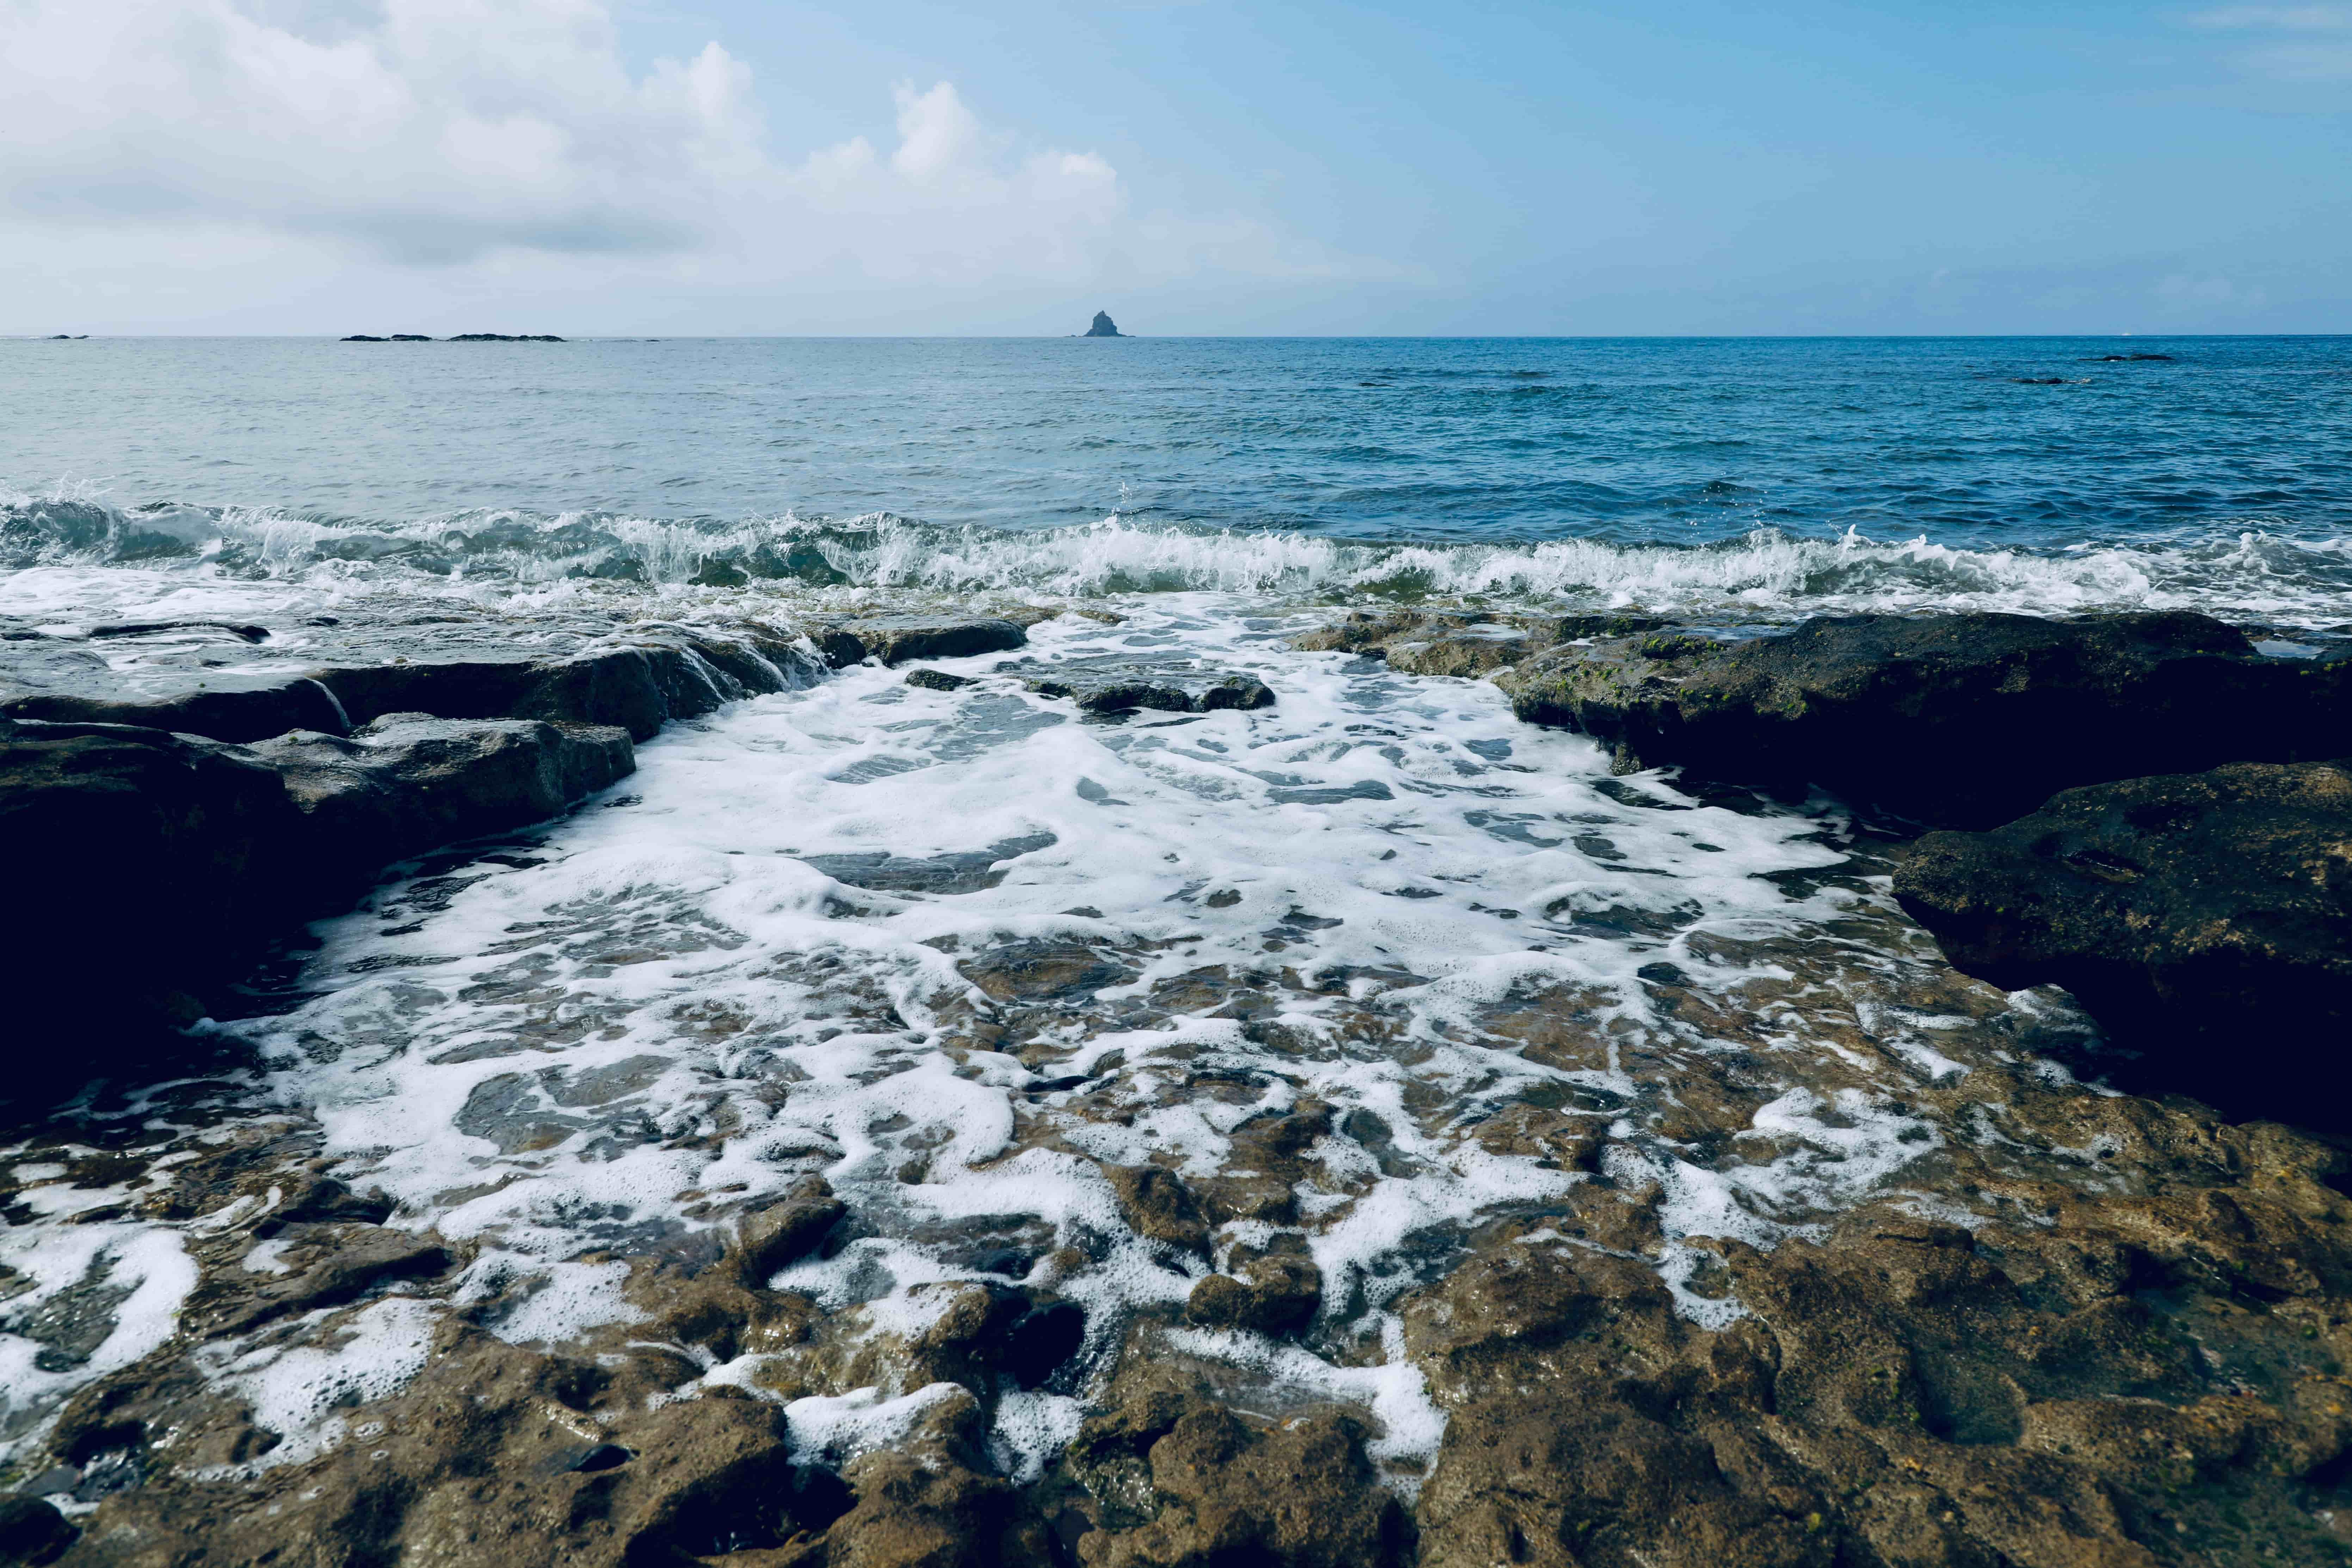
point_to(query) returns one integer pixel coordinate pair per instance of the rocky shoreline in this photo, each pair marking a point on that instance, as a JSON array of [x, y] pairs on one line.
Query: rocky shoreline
[[2108, 1329]]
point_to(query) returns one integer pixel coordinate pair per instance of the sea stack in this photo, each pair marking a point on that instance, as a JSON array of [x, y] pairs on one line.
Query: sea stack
[[1104, 327]]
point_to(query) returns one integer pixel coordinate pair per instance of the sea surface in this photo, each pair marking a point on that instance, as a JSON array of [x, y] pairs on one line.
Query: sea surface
[[959, 950]]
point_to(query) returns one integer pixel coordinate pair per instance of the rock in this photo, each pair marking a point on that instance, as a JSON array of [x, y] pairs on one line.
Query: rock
[[1104, 327], [1300, 1495], [234, 710], [1272, 1293], [894, 639], [364, 338], [506, 338], [410, 338], [784, 1232], [237, 629], [1458, 643], [937, 680], [2204, 920], [1109, 691], [163, 861], [143, 863], [1960, 720], [33, 1530], [407, 782], [639, 686], [1157, 1204], [968, 871]]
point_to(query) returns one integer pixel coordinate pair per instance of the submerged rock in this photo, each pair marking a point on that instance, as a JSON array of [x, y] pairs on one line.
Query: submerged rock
[[2205, 920], [1960, 720]]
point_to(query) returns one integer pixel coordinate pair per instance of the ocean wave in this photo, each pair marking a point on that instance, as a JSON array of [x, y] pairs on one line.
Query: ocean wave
[[2246, 570]]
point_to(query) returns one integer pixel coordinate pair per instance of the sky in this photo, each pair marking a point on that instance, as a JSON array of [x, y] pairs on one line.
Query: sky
[[676, 167]]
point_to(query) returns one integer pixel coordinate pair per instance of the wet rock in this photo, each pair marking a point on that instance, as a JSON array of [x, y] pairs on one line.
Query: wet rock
[[894, 639], [784, 1232], [237, 629], [1042, 1341], [635, 688], [33, 1530], [969, 871], [1459, 643], [143, 862], [236, 709], [2198, 917], [937, 680], [1272, 1293], [1960, 721], [1300, 1495], [1157, 1206], [349, 1264], [406, 783], [1114, 690]]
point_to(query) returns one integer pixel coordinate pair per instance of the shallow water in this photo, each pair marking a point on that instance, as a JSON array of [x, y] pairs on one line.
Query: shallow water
[[958, 951]]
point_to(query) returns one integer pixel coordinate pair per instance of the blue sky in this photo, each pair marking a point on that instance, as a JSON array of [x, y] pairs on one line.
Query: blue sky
[[621, 165]]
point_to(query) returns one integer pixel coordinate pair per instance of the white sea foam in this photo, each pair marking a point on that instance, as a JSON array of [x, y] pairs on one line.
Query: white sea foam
[[299, 1390], [666, 998]]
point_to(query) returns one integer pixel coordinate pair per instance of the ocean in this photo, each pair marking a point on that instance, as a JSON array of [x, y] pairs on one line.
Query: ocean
[[961, 951]]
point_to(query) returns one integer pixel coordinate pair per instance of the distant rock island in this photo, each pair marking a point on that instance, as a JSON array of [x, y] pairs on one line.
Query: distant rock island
[[1104, 327], [460, 338]]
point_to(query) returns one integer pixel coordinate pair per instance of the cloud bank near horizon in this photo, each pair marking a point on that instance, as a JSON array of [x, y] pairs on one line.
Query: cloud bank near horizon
[[508, 136]]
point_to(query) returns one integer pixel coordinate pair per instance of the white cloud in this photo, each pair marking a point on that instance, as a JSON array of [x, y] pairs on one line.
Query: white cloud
[[479, 134], [2301, 43]]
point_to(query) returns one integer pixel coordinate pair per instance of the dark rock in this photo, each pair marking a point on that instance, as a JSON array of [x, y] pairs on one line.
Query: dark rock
[[234, 710], [785, 1231], [1457, 643], [1268, 1293], [1104, 327], [33, 1530], [364, 338], [141, 863], [1962, 721], [937, 680], [894, 639], [2205, 920], [637, 687], [1113, 691], [1040, 1340], [506, 338], [1157, 1207], [407, 782], [410, 338], [242, 633]]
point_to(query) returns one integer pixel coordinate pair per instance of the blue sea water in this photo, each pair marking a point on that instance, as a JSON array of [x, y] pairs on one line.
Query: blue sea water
[[2053, 472]]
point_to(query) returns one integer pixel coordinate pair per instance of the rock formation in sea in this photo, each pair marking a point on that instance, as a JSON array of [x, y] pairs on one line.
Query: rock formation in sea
[[1104, 327]]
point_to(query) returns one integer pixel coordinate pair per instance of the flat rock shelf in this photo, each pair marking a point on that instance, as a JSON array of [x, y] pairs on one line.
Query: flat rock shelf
[[821, 1076]]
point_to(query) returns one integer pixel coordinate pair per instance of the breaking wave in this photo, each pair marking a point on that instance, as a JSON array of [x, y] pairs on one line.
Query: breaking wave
[[2246, 568]]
